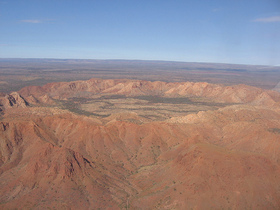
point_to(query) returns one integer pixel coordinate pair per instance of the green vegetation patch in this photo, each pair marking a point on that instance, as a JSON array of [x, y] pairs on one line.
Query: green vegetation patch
[[158, 99], [73, 107], [274, 130]]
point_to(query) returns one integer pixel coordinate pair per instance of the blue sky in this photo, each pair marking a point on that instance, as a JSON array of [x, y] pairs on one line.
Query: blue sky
[[223, 31]]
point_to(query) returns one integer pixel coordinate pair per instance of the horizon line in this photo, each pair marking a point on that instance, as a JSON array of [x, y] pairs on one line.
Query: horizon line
[[148, 60]]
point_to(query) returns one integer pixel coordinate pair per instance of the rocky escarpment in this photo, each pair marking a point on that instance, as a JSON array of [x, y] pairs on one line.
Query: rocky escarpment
[[227, 158], [218, 159], [218, 93], [12, 100]]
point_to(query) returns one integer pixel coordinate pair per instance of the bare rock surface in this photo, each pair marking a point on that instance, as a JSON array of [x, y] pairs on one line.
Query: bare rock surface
[[229, 94], [227, 158], [12, 100]]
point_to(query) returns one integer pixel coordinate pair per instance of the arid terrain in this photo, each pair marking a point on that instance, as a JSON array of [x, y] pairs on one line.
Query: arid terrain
[[114, 142], [18, 73]]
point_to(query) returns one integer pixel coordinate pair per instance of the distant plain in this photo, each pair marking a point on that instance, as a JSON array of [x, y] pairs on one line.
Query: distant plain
[[18, 73]]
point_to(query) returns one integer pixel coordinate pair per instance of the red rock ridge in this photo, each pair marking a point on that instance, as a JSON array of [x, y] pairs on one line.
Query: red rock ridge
[[228, 158], [218, 93]]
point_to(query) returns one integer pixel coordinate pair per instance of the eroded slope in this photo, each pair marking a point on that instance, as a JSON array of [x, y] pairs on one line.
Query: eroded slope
[[223, 158]]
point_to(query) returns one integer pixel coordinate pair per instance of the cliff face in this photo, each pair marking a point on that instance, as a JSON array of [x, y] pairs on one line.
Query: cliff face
[[225, 158], [12, 100]]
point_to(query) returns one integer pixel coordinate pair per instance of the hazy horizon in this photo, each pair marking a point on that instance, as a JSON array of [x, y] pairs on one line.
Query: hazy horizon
[[136, 60]]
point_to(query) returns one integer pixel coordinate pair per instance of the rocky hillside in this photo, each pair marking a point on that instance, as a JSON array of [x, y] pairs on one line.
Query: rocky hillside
[[218, 159], [12, 100], [219, 93]]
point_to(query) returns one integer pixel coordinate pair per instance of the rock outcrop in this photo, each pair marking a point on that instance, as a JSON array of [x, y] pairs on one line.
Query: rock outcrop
[[12, 100]]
